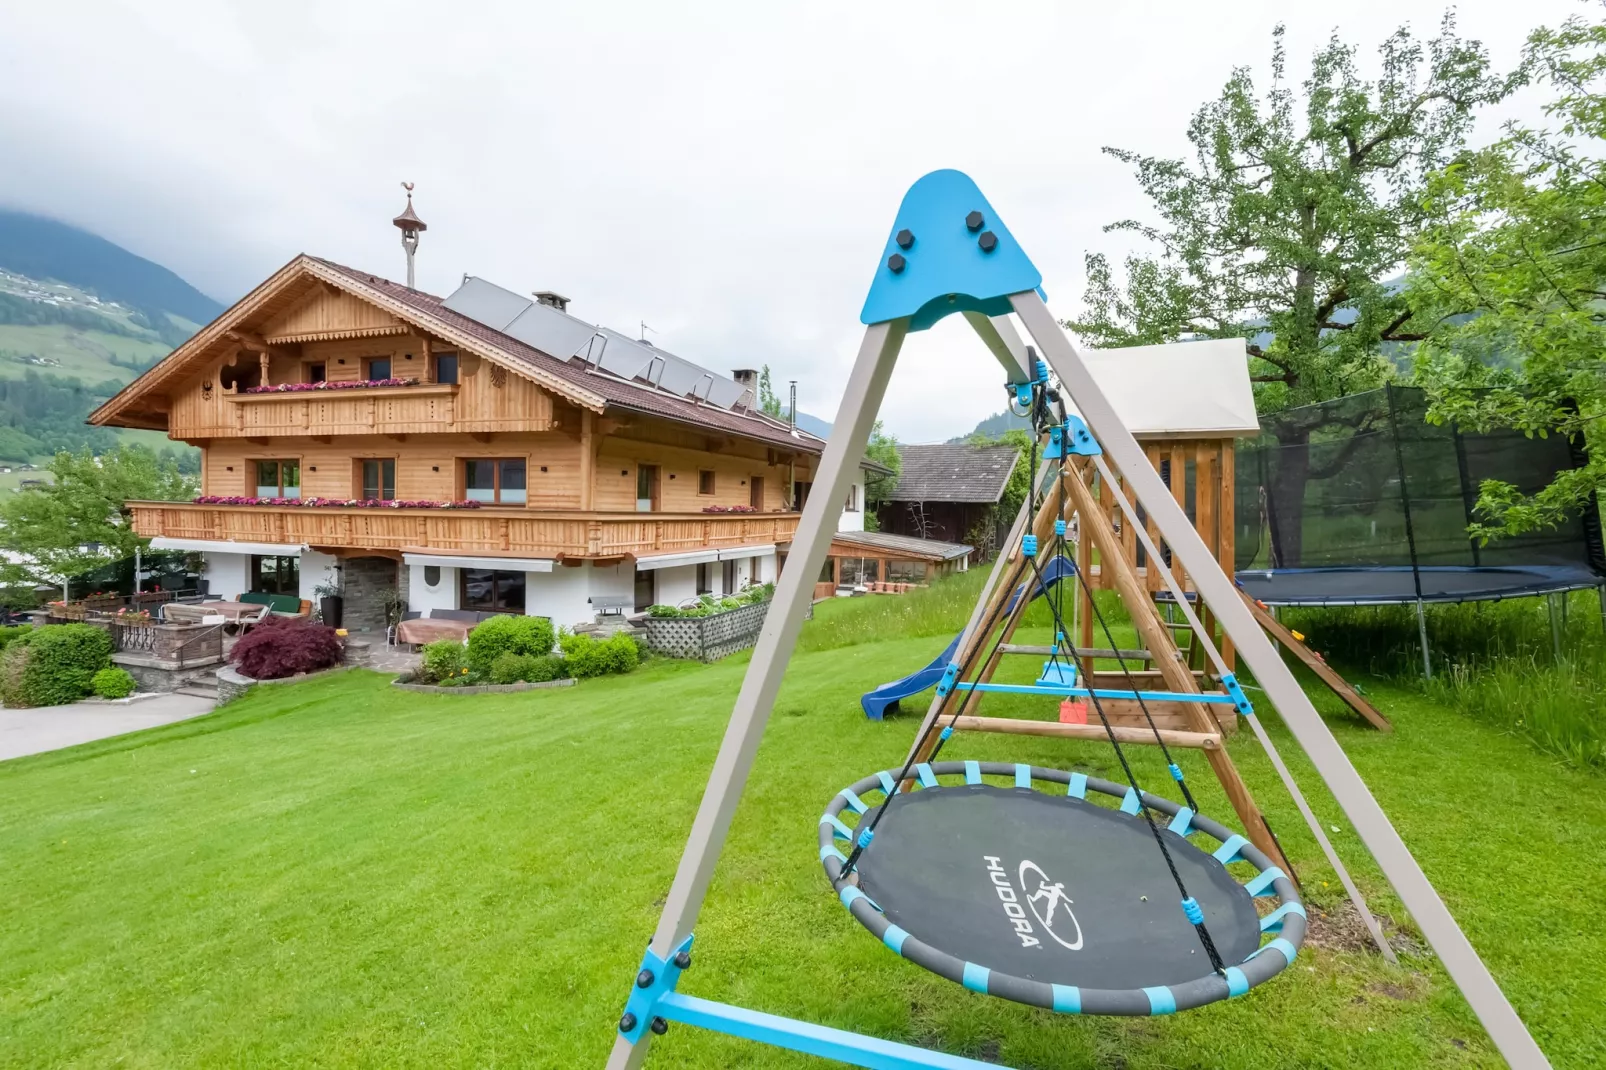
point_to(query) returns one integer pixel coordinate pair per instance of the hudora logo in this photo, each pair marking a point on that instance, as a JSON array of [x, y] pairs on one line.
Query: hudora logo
[[1044, 901]]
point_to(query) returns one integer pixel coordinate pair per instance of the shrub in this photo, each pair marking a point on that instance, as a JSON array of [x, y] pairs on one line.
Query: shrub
[[112, 683], [669, 612], [443, 659], [60, 662], [510, 668], [545, 668], [13, 663], [11, 633], [507, 634], [587, 657], [285, 646]]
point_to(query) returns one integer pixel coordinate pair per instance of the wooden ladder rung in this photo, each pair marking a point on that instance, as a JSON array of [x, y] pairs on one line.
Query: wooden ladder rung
[[1096, 732]]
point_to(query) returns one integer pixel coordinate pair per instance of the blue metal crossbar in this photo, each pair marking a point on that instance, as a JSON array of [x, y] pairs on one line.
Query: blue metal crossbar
[[1085, 692], [851, 1048]]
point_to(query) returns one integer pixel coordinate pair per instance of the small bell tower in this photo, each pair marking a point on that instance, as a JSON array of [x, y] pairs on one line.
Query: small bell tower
[[411, 227]]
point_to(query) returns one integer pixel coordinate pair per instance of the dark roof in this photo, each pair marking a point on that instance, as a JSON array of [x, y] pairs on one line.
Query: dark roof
[[616, 392], [953, 473], [873, 465], [904, 544]]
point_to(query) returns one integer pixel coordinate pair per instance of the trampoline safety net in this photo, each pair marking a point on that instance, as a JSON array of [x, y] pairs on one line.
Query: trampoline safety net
[[1361, 500]]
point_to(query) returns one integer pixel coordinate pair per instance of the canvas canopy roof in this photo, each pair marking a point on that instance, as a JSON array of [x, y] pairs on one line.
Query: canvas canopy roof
[[1179, 389]]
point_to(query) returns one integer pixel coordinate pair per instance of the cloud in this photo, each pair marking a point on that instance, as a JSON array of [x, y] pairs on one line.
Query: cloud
[[724, 173]]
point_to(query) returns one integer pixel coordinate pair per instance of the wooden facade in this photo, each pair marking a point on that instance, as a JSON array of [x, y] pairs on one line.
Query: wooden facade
[[601, 482]]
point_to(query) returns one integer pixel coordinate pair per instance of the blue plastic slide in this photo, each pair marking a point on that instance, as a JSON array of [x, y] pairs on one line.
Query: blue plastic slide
[[875, 702]]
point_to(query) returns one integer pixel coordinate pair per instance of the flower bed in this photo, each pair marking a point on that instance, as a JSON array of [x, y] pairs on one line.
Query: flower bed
[[332, 503], [303, 388]]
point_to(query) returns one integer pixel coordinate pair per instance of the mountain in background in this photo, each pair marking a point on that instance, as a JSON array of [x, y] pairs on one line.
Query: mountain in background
[[79, 318], [996, 425]]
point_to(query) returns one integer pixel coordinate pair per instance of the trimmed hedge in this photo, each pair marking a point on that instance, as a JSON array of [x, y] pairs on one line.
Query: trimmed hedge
[[113, 683], [53, 666], [507, 634], [527, 668], [587, 657]]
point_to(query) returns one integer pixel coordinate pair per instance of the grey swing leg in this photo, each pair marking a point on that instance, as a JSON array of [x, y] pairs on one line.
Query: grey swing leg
[[866, 385]]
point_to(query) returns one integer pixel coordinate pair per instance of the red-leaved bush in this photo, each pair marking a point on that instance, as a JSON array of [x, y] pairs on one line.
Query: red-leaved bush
[[284, 646]]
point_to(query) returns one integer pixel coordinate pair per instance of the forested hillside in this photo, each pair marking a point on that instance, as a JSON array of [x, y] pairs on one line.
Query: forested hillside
[[79, 318]]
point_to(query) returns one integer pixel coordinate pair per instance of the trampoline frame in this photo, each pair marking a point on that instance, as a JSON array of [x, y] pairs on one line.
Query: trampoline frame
[[1287, 922]]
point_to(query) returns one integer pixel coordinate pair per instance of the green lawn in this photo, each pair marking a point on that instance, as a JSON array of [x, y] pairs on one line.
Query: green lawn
[[71, 352], [336, 874]]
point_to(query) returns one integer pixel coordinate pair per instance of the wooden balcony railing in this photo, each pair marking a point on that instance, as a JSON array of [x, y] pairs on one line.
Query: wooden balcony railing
[[496, 532]]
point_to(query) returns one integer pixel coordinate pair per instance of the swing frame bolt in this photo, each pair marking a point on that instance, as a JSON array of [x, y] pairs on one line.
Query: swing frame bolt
[[627, 1022], [659, 1027], [896, 263], [988, 241], [973, 222], [644, 979], [683, 960], [905, 238]]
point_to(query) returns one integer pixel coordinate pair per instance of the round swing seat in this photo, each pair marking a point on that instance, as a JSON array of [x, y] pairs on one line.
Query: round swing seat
[[1039, 894]]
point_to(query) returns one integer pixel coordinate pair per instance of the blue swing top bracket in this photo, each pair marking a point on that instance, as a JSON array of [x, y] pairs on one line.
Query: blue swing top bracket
[[1071, 438], [947, 252], [1240, 701], [662, 977]]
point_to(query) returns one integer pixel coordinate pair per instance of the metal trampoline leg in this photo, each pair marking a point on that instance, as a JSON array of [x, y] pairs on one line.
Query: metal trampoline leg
[[1555, 625], [1422, 632]]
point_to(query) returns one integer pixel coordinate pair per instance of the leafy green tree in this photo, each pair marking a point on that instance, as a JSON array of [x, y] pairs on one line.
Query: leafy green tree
[[1298, 207], [1513, 270], [79, 522], [768, 403], [883, 449]]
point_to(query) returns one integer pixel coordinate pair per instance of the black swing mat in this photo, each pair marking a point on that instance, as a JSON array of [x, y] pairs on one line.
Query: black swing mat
[[959, 867]]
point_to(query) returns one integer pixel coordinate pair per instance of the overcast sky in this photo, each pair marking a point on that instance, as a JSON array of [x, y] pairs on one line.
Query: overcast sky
[[724, 172]]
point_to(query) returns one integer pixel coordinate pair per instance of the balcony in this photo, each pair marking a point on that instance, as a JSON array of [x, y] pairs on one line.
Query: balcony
[[371, 410], [490, 531]]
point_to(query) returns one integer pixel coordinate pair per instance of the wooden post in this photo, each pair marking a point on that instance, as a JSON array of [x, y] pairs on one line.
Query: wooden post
[[1157, 637], [263, 363], [588, 461], [1228, 547], [429, 359]]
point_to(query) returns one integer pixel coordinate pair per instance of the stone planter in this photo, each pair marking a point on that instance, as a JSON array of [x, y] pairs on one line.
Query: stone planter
[[406, 684], [707, 638]]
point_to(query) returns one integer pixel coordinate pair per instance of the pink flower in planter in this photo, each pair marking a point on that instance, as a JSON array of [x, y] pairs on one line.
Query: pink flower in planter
[[302, 388], [331, 503]]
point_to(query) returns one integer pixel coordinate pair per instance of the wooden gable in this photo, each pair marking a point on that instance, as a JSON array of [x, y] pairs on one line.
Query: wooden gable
[[329, 313]]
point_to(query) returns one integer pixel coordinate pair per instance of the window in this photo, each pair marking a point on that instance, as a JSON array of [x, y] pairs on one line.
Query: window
[[496, 480], [705, 584], [857, 570], [906, 572], [276, 575], [379, 479], [828, 573], [852, 504], [646, 488], [432, 575], [231, 377], [317, 373], [755, 492], [446, 367], [376, 368], [728, 577], [490, 591], [705, 482], [278, 479]]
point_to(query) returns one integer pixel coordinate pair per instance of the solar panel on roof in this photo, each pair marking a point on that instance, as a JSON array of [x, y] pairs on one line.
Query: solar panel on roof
[[564, 336]]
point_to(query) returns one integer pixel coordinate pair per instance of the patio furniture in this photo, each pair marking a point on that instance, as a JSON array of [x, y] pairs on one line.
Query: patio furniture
[[391, 636], [612, 605], [421, 630]]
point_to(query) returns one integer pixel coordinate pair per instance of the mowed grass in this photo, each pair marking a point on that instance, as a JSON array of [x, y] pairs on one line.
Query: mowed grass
[[335, 874]]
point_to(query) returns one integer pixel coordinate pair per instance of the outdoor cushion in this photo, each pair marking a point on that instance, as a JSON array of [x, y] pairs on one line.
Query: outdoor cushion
[[279, 603]]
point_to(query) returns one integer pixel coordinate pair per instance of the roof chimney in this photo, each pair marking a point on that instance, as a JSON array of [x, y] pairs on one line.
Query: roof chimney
[[552, 300], [411, 226], [746, 377]]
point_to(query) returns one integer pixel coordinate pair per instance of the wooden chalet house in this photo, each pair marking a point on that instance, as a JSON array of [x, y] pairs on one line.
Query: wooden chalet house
[[484, 451]]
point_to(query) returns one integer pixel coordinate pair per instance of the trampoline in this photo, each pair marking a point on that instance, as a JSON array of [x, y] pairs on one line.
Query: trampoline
[[1037, 893], [1376, 585], [1362, 501]]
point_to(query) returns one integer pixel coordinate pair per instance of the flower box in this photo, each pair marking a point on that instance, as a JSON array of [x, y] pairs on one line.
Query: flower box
[[348, 384], [333, 503]]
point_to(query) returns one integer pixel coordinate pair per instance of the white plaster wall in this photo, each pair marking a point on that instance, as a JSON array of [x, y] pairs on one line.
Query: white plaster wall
[[317, 568], [562, 594], [853, 521], [676, 584], [421, 597], [768, 568], [228, 575], [613, 581]]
